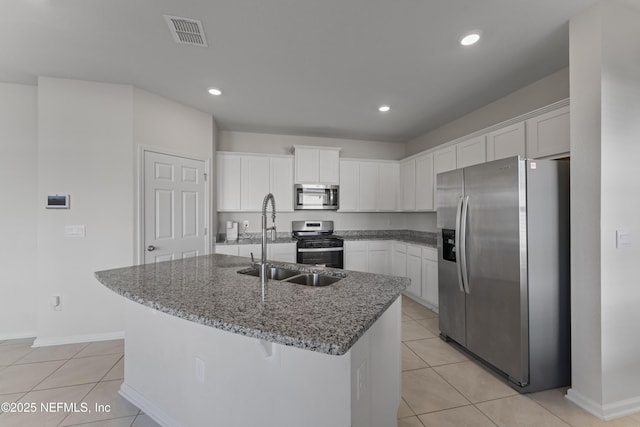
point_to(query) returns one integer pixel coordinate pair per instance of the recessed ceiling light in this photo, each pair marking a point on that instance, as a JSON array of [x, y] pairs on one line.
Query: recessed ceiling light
[[215, 91], [384, 108], [470, 39]]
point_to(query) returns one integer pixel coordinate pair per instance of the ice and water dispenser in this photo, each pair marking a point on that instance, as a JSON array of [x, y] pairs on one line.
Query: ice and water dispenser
[[449, 245]]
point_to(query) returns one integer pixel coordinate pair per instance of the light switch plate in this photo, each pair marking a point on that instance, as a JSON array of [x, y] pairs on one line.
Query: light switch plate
[[74, 231], [623, 238]]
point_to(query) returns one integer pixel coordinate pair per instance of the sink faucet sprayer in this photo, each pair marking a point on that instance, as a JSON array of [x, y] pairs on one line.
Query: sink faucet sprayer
[[263, 263]]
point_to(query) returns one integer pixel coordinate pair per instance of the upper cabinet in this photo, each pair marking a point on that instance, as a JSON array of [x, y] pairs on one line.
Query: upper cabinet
[[408, 185], [548, 134], [506, 142], [424, 179], [470, 152], [444, 159], [244, 179], [317, 165], [368, 186]]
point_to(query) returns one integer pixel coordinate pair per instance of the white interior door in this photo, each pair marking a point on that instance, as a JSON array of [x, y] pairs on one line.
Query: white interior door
[[174, 207]]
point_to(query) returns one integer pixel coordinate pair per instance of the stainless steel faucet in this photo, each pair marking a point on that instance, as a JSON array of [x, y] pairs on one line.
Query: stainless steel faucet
[[263, 263]]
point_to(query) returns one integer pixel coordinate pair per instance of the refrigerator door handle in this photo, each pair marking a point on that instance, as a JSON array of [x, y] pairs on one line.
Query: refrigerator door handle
[[463, 244], [457, 244]]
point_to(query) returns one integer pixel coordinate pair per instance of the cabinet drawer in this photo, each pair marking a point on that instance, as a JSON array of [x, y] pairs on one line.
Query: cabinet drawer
[[430, 254], [400, 247], [414, 250], [379, 246]]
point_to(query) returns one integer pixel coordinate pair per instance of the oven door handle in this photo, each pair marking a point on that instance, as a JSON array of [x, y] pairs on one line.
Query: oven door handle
[[321, 250]]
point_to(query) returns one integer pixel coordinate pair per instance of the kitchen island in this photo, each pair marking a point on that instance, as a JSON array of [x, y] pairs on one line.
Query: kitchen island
[[202, 348]]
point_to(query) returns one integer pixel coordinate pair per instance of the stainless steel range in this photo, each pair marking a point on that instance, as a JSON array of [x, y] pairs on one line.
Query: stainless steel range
[[316, 244]]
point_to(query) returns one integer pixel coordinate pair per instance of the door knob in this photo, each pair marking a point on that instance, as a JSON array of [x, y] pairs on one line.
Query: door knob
[[151, 248]]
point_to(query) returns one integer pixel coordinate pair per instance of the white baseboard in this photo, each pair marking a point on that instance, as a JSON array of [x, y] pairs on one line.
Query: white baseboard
[[75, 339], [17, 335], [149, 408], [421, 301], [608, 411]]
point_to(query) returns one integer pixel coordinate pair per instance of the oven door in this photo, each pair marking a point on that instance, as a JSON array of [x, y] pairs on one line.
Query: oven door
[[325, 257]]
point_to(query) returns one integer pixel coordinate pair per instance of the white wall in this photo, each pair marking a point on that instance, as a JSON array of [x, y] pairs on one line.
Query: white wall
[[548, 90], [605, 98], [88, 146], [282, 144], [18, 148]]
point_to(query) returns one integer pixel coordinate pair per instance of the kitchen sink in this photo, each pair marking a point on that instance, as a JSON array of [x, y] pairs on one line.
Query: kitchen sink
[[313, 279], [274, 273]]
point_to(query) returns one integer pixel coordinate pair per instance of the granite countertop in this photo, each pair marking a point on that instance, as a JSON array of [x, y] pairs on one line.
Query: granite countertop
[[406, 236], [209, 291]]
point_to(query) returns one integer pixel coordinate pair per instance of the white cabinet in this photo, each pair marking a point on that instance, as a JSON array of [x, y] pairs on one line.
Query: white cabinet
[[471, 152], [368, 186], [283, 252], [399, 259], [349, 185], [228, 182], [379, 257], [444, 159], [506, 142], [281, 183], [408, 185], [388, 183], [254, 182], [329, 167], [548, 134], [227, 249], [430, 276], [246, 250], [314, 165], [355, 256], [244, 179], [424, 181], [368, 178], [414, 269]]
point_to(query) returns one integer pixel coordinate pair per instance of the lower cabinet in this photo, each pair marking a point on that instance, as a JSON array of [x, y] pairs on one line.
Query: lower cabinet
[[379, 257], [282, 252], [420, 264], [355, 256]]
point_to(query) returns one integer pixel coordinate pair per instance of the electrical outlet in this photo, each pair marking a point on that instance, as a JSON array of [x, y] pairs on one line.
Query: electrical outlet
[[199, 370], [245, 225]]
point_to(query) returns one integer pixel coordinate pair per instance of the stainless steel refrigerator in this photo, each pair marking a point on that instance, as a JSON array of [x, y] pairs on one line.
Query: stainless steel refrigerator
[[503, 267]]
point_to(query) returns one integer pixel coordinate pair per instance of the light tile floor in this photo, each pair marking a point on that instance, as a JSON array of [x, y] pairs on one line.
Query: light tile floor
[[440, 386], [74, 373]]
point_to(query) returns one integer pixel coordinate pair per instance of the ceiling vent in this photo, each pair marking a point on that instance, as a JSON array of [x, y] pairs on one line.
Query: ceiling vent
[[186, 31]]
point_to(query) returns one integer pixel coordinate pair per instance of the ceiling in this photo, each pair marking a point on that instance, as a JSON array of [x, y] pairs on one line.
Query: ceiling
[[301, 67]]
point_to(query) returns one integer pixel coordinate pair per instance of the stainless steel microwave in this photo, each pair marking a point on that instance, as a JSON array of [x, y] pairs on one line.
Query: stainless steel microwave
[[315, 196]]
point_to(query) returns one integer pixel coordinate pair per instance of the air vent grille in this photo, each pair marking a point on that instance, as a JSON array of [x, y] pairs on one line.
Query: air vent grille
[[186, 31]]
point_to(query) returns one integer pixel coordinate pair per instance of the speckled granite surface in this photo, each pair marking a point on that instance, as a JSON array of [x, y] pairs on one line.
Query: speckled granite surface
[[407, 236], [208, 290]]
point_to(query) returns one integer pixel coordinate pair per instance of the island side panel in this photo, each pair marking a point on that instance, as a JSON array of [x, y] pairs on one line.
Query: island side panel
[[242, 384]]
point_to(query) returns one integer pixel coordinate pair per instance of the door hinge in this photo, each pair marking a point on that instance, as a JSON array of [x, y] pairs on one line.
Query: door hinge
[[205, 176]]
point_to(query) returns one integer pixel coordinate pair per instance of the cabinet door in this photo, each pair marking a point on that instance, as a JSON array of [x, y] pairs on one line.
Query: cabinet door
[[283, 252], [227, 249], [307, 163], [329, 166], [430, 275], [399, 261], [246, 250], [379, 261], [424, 183], [368, 177], [444, 160], [281, 182], [349, 185], [254, 182], [506, 142], [414, 272], [471, 152], [355, 256], [548, 134], [228, 182], [388, 185], [408, 185]]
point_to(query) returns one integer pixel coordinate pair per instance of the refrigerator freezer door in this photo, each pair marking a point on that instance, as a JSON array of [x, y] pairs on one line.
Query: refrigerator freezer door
[[451, 299], [497, 317]]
